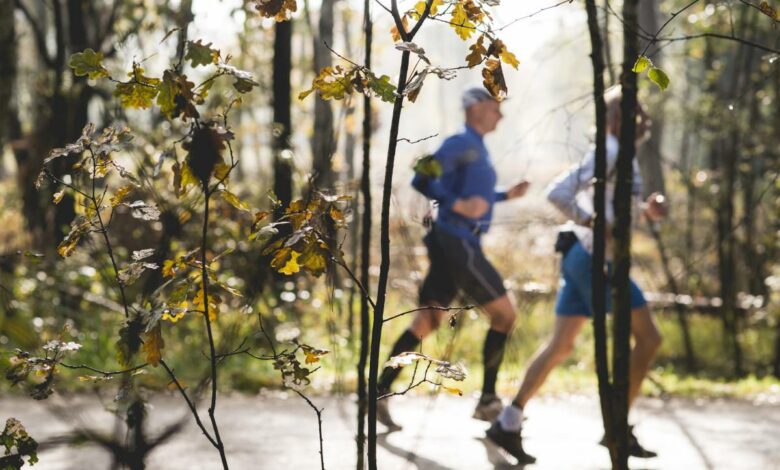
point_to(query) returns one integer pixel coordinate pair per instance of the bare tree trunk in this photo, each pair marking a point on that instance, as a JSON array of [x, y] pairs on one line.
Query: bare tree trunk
[[607, 45], [323, 139], [365, 245], [622, 234], [754, 264], [772, 247], [350, 142], [599, 229], [282, 103], [649, 155], [384, 264], [682, 319], [728, 151], [687, 175], [7, 72]]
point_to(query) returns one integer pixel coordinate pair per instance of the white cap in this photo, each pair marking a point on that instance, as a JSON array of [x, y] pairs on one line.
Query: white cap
[[475, 95]]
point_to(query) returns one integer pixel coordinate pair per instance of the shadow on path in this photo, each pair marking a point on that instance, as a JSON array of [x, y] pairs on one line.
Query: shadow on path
[[669, 411], [421, 463]]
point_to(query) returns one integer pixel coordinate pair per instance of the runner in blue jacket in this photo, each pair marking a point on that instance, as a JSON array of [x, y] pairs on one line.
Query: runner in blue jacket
[[465, 192]]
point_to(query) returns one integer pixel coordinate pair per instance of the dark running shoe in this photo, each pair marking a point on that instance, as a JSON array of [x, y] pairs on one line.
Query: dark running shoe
[[511, 442], [635, 449]]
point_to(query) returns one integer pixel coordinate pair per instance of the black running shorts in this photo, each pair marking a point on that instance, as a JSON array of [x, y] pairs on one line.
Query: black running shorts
[[456, 264]]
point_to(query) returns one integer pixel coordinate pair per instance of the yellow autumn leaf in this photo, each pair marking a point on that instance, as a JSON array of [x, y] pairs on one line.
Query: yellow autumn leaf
[[453, 390], [419, 8], [311, 358], [234, 200], [119, 195], [153, 344], [169, 268], [509, 59], [291, 266], [214, 301], [461, 23]]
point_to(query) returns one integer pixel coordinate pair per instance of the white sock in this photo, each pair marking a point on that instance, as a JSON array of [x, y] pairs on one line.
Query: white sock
[[511, 418]]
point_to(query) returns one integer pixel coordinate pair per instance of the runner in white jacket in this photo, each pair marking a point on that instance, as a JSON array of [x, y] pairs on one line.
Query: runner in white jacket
[[572, 194]]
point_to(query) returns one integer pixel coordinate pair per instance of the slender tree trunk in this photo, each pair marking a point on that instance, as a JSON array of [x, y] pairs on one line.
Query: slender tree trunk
[[772, 246], [649, 155], [384, 266], [599, 228], [350, 144], [365, 245], [323, 139], [682, 319], [754, 264], [687, 174], [7, 71], [607, 46], [282, 103], [729, 150], [622, 234]]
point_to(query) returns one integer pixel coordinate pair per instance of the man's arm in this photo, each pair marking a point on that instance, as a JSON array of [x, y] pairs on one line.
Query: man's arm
[[453, 153]]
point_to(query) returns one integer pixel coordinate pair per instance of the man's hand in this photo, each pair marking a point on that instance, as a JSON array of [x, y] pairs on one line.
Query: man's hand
[[655, 207], [518, 190], [472, 207]]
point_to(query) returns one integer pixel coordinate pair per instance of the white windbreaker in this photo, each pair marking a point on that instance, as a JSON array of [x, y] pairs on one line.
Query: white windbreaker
[[572, 191]]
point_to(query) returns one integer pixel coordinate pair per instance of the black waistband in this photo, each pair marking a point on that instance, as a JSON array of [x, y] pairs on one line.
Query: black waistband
[[474, 228]]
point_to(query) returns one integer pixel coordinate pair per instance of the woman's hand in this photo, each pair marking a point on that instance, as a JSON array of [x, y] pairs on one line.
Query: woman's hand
[[655, 207]]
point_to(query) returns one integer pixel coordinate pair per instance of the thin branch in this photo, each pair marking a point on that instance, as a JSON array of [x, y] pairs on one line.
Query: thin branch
[[430, 307], [758, 7], [327, 46], [319, 424], [533, 14], [404, 139], [722, 36], [422, 19], [102, 372], [363, 289], [672, 17], [190, 404], [398, 21]]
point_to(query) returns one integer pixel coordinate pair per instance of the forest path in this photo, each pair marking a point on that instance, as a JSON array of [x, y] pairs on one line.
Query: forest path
[[279, 431]]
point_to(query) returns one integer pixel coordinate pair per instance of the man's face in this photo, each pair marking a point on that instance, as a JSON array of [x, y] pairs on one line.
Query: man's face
[[487, 113]]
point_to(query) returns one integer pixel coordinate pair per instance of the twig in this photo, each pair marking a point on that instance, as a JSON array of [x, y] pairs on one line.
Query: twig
[[669, 20], [404, 139], [533, 14], [319, 425], [102, 372], [190, 404], [366, 294], [430, 307]]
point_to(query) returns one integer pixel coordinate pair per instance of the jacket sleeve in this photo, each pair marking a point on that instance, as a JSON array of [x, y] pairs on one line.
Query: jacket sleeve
[[562, 192], [451, 155], [500, 195]]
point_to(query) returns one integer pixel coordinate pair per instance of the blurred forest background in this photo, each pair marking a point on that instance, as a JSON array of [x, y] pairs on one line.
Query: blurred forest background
[[712, 267]]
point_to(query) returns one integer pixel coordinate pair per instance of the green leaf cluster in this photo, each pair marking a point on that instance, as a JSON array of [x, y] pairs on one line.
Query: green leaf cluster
[[337, 82], [655, 74], [89, 63]]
